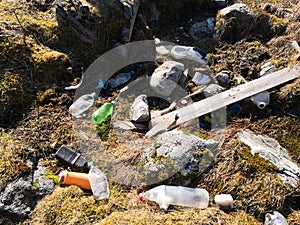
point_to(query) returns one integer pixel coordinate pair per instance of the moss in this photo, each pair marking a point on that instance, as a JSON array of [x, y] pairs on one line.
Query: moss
[[256, 162], [50, 175]]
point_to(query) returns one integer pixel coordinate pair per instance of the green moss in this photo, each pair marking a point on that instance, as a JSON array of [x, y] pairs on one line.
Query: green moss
[[50, 175], [256, 162]]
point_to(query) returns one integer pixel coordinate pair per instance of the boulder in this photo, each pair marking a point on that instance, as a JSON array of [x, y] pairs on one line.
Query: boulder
[[166, 77], [203, 30], [20, 197], [174, 151], [233, 22], [270, 150]]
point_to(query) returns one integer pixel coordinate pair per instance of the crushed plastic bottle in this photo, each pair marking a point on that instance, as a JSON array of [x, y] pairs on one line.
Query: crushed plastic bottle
[[99, 184], [165, 195], [101, 114], [82, 104], [191, 53], [275, 219], [120, 79]]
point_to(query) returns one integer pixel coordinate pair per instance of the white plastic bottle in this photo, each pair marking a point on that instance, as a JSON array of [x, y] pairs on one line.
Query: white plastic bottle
[[82, 104], [165, 195]]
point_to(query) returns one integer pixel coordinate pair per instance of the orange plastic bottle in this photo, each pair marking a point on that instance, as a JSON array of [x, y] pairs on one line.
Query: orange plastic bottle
[[74, 178]]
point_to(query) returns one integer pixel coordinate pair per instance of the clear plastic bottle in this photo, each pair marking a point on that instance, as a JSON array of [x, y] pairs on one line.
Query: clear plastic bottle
[[82, 104], [165, 195], [261, 99], [103, 113]]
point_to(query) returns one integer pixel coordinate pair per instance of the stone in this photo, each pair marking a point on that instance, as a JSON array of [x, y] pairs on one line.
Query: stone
[[203, 30], [233, 21], [212, 89], [223, 78], [270, 150], [139, 111], [175, 149], [20, 197], [166, 77], [202, 76]]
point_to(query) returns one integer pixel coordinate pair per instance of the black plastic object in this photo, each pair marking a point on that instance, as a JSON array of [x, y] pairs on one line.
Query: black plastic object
[[71, 158]]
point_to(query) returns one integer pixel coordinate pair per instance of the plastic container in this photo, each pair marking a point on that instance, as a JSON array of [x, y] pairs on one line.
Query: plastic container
[[261, 100], [82, 104], [71, 158], [224, 200], [275, 219], [190, 53], [74, 178], [120, 79], [101, 114], [165, 195], [99, 184]]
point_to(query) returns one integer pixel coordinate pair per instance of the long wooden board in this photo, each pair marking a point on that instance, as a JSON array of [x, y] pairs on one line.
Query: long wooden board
[[223, 99]]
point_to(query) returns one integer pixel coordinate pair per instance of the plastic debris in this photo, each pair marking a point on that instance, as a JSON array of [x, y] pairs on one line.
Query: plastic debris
[[101, 114], [190, 53], [74, 178], [234, 108], [99, 184], [224, 200], [261, 100], [71, 158], [201, 78], [275, 219], [166, 195], [82, 104], [120, 79], [75, 86]]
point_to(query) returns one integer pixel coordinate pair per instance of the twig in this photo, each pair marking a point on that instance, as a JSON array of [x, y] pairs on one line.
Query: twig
[[23, 29]]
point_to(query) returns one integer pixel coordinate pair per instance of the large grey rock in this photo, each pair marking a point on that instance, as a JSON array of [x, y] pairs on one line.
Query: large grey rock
[[232, 22], [175, 150], [139, 111], [270, 150], [203, 30], [166, 77], [21, 196]]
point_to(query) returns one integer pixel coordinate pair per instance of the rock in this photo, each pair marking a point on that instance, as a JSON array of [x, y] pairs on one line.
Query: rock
[[224, 200], [21, 196], [212, 89], [139, 111], [166, 77], [223, 78], [233, 21], [203, 30], [267, 68], [177, 150], [80, 19], [270, 150], [275, 219]]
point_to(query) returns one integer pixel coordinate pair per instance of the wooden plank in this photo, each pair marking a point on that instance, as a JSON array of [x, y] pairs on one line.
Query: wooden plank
[[223, 99]]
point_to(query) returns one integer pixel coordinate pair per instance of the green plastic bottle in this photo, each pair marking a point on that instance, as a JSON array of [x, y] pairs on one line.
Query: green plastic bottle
[[103, 113]]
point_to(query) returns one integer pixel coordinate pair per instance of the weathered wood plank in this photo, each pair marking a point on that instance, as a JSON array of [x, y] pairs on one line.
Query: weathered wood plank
[[223, 99]]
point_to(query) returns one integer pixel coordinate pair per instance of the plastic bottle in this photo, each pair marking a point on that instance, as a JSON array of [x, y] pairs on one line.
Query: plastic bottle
[[82, 104], [74, 178], [261, 100], [103, 113], [99, 184], [166, 195], [275, 219], [191, 53], [120, 79]]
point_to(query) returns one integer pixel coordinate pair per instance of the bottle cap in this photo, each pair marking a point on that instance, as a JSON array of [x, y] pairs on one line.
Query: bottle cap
[[142, 196]]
